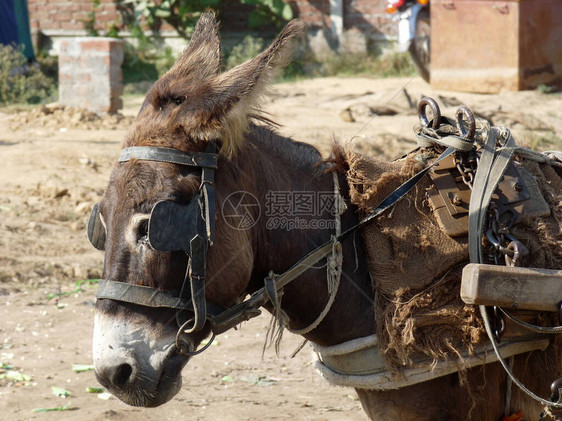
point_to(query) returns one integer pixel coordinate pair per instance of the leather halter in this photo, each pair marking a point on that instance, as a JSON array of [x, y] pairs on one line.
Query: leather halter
[[202, 213], [192, 295]]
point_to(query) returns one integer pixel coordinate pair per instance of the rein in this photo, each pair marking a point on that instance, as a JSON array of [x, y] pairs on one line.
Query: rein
[[165, 234]]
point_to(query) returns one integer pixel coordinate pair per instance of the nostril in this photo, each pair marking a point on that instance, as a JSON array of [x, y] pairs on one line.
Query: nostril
[[122, 375]]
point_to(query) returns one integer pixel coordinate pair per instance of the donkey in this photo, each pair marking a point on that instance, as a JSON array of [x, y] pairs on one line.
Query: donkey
[[191, 107]]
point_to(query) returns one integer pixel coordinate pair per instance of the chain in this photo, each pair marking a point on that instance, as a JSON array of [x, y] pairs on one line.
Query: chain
[[503, 245], [467, 163]]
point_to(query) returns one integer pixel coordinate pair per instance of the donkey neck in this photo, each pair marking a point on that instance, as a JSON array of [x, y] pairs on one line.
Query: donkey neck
[[292, 184]]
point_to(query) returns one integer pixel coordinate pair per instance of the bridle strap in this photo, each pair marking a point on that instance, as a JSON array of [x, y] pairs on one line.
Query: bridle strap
[[171, 156], [196, 275], [192, 295], [208, 191], [148, 297]]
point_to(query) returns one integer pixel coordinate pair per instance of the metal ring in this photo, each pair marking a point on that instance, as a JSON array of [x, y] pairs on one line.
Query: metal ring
[[422, 105], [185, 352], [465, 112]]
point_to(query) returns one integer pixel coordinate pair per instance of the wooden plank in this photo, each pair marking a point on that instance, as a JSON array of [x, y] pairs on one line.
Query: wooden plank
[[512, 287]]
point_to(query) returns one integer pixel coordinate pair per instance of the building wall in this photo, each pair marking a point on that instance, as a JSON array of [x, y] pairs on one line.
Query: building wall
[[51, 19], [316, 13], [69, 15], [369, 17]]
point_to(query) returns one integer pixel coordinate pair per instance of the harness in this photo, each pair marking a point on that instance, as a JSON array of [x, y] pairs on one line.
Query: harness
[[358, 363], [172, 226], [190, 228]]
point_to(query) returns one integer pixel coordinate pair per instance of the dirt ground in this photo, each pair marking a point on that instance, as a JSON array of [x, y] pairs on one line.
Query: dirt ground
[[54, 166]]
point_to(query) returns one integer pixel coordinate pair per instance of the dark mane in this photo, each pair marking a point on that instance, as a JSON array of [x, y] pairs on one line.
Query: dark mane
[[295, 154]]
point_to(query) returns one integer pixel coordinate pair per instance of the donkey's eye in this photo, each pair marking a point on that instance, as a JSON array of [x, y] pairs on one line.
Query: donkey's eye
[[142, 230], [166, 100]]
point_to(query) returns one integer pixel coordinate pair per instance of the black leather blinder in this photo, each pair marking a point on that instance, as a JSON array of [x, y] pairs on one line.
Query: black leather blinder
[[96, 229], [173, 225]]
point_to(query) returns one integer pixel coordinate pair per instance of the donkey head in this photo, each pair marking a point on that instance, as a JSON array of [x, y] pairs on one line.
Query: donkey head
[[192, 105]]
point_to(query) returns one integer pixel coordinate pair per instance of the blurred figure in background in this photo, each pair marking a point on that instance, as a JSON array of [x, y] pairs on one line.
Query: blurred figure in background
[[14, 29]]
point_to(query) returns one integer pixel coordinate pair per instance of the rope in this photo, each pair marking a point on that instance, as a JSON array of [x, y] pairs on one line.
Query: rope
[[333, 278], [529, 326], [514, 379], [507, 407], [333, 265], [279, 319], [552, 158], [347, 347]]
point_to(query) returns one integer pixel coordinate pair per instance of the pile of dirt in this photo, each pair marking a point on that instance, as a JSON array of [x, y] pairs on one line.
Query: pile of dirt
[[366, 106], [56, 116]]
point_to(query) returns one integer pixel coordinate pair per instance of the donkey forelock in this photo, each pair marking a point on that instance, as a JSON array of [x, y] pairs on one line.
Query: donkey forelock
[[194, 102]]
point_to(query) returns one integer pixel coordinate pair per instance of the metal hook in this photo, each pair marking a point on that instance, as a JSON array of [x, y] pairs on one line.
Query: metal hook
[[518, 249], [422, 105], [556, 391], [470, 122], [499, 324]]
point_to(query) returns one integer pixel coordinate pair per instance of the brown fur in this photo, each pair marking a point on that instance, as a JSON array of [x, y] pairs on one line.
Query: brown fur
[[194, 104], [198, 103]]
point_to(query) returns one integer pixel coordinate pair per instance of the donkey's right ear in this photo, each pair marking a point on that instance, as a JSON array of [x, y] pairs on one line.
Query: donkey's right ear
[[204, 47], [200, 61]]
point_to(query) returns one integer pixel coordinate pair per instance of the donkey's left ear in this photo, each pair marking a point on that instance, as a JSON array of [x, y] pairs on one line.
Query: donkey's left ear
[[237, 90]]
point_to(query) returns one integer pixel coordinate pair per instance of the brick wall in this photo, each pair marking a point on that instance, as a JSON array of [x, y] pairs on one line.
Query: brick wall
[[68, 17], [369, 17], [90, 73], [316, 13]]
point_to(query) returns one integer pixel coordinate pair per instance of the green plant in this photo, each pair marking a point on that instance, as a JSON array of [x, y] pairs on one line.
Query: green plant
[[245, 50], [267, 12], [180, 14], [21, 82], [183, 14], [366, 65], [136, 67], [145, 62], [545, 89], [90, 21]]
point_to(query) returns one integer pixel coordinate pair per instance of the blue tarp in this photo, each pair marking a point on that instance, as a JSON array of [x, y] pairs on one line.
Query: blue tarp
[[14, 26], [8, 25]]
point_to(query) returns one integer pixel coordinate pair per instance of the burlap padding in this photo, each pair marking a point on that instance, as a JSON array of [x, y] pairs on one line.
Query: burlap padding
[[416, 267]]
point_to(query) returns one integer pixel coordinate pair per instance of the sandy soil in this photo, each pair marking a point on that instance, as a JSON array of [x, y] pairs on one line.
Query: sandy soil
[[54, 166]]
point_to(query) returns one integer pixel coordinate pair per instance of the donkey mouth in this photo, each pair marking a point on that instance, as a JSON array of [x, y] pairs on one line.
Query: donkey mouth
[[170, 381], [152, 390]]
